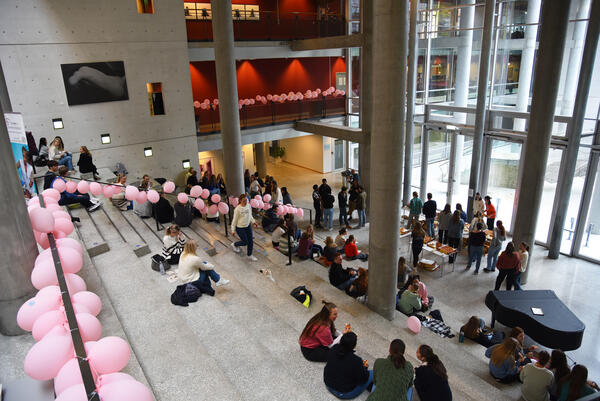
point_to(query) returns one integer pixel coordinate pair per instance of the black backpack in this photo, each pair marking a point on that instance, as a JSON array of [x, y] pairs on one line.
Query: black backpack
[[183, 214], [185, 294], [302, 295]]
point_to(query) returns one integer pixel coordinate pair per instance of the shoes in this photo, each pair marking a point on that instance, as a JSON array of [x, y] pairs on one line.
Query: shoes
[[221, 282], [487, 270], [252, 258], [475, 273], [467, 268], [95, 201], [348, 226], [94, 206], [235, 248]]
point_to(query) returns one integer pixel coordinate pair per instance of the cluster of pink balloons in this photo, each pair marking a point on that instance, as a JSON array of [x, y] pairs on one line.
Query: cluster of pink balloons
[[50, 219], [53, 355], [201, 194], [84, 187], [263, 203], [206, 104]]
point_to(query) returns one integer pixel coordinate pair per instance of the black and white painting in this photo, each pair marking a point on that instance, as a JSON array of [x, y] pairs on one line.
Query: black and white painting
[[94, 82]]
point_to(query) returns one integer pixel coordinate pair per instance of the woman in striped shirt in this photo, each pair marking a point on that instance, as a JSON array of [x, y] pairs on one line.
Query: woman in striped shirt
[[173, 243]]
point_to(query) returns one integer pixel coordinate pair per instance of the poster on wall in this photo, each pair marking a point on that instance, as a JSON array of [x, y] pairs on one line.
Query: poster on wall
[[18, 143], [87, 83]]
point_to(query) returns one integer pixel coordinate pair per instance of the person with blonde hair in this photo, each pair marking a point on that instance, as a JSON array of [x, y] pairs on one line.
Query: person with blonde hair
[[85, 162], [503, 366], [57, 152], [173, 243], [241, 224], [193, 269], [118, 200]]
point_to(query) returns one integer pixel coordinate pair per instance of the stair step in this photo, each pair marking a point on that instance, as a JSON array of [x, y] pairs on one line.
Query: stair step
[[91, 237], [127, 231]]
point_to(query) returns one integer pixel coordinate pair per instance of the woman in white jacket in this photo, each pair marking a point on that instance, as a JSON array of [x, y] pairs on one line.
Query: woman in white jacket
[[241, 224], [192, 268]]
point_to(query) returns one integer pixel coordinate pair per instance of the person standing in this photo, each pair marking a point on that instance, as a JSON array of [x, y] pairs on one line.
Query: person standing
[[495, 246], [476, 241], [478, 205], [191, 181], [431, 378], [415, 208], [508, 264], [524, 253], [323, 188], [241, 223], [443, 223], [317, 205], [327, 201], [430, 210], [361, 205], [490, 212], [392, 376], [418, 237], [455, 232], [255, 187], [353, 196], [343, 204], [287, 198]]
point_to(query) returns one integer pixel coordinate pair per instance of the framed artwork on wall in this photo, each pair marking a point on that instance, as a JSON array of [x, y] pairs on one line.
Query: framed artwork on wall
[[87, 83]]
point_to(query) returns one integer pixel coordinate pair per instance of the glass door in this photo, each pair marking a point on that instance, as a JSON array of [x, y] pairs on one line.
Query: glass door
[[338, 152], [503, 177]]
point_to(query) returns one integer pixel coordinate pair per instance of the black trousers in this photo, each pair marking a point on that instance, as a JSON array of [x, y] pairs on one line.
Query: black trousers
[[504, 274], [490, 224], [318, 215], [318, 354]]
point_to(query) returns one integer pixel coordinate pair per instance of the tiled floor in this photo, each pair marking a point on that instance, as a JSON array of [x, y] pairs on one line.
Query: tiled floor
[[573, 280]]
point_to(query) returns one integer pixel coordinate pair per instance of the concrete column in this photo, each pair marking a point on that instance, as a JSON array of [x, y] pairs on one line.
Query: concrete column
[[18, 244], [527, 57], [366, 96], [574, 59], [424, 163], [482, 87], [261, 159], [486, 161], [554, 17], [228, 96], [567, 168], [413, 55], [390, 47], [452, 165]]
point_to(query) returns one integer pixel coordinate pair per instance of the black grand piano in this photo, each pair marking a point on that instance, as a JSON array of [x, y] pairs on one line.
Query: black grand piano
[[558, 327]]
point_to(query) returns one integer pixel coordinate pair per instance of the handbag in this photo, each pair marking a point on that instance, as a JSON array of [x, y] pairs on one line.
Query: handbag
[[156, 262]]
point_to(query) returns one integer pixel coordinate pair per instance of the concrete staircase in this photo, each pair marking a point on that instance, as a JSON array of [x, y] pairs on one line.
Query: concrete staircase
[[242, 344]]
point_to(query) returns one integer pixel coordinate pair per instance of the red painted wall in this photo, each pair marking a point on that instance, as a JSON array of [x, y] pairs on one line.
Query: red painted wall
[[269, 76]]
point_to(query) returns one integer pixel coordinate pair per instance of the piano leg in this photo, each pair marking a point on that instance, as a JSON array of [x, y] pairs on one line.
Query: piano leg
[[493, 320]]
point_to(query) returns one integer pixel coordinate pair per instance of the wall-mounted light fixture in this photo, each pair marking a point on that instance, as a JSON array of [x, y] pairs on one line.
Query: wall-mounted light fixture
[[105, 139], [57, 123], [148, 152], [186, 163]]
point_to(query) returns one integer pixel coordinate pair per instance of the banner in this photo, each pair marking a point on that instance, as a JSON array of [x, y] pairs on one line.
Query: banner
[[18, 143]]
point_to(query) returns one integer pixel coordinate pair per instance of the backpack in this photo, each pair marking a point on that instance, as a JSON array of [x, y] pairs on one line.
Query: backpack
[[302, 295], [183, 214], [120, 169], [157, 260], [184, 294]]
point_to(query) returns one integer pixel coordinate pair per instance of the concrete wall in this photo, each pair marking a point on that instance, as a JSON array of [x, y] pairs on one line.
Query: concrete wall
[[305, 151], [38, 36]]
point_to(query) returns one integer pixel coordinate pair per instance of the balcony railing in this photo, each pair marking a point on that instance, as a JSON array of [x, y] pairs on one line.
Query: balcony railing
[[272, 113], [272, 26]]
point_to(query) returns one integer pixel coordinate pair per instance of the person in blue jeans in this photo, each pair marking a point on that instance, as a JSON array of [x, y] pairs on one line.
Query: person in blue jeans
[[241, 224], [430, 211], [194, 270], [346, 375], [495, 247], [57, 152], [343, 204], [476, 241], [327, 201]]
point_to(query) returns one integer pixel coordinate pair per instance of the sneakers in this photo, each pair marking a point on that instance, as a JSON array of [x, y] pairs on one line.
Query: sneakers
[[94, 206], [475, 273], [221, 282], [235, 248], [252, 258]]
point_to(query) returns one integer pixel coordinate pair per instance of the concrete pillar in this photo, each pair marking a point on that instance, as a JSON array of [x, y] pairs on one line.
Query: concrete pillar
[[527, 57], [390, 47], [554, 17], [19, 249], [261, 159], [482, 88], [486, 161], [228, 96], [366, 96], [413, 55], [452, 165], [424, 163], [574, 58], [567, 168]]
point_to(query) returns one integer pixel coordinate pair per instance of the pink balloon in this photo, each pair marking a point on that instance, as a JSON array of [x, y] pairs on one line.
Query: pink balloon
[[153, 196], [284, 209], [131, 192], [203, 106], [223, 208], [52, 207], [269, 97], [254, 203], [47, 322], [263, 100], [50, 291], [196, 191], [75, 283], [197, 104], [61, 214], [169, 187], [90, 300], [257, 197], [35, 307], [414, 324], [251, 101], [300, 212], [258, 97], [42, 239], [59, 185], [260, 203], [109, 355], [141, 197], [44, 359], [71, 186], [44, 275], [69, 243], [266, 206], [213, 209], [239, 106], [89, 327], [70, 259], [107, 191], [216, 198], [267, 198], [83, 187], [125, 390], [95, 188], [32, 206], [52, 193], [234, 201], [64, 225], [79, 308], [112, 378], [205, 193], [69, 375], [182, 197], [42, 220], [199, 204], [300, 96], [216, 102], [206, 101]]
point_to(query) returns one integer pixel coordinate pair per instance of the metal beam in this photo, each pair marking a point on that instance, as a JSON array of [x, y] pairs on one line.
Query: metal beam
[[330, 130], [331, 42]]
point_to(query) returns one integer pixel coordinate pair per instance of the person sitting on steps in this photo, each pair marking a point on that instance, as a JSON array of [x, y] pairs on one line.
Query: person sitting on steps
[[352, 251], [475, 330], [193, 270], [173, 243], [330, 249], [503, 366], [431, 378], [409, 302], [318, 334], [359, 287], [339, 277], [393, 375], [67, 198]]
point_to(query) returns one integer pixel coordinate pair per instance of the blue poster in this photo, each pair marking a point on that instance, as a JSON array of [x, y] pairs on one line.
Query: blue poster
[[18, 143]]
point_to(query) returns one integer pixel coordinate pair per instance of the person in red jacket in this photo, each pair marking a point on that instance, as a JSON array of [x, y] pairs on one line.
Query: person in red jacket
[[508, 264], [490, 213], [352, 251], [318, 334]]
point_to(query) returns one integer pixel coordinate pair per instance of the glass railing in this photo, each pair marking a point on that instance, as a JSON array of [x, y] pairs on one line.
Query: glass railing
[[272, 26], [272, 113]]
